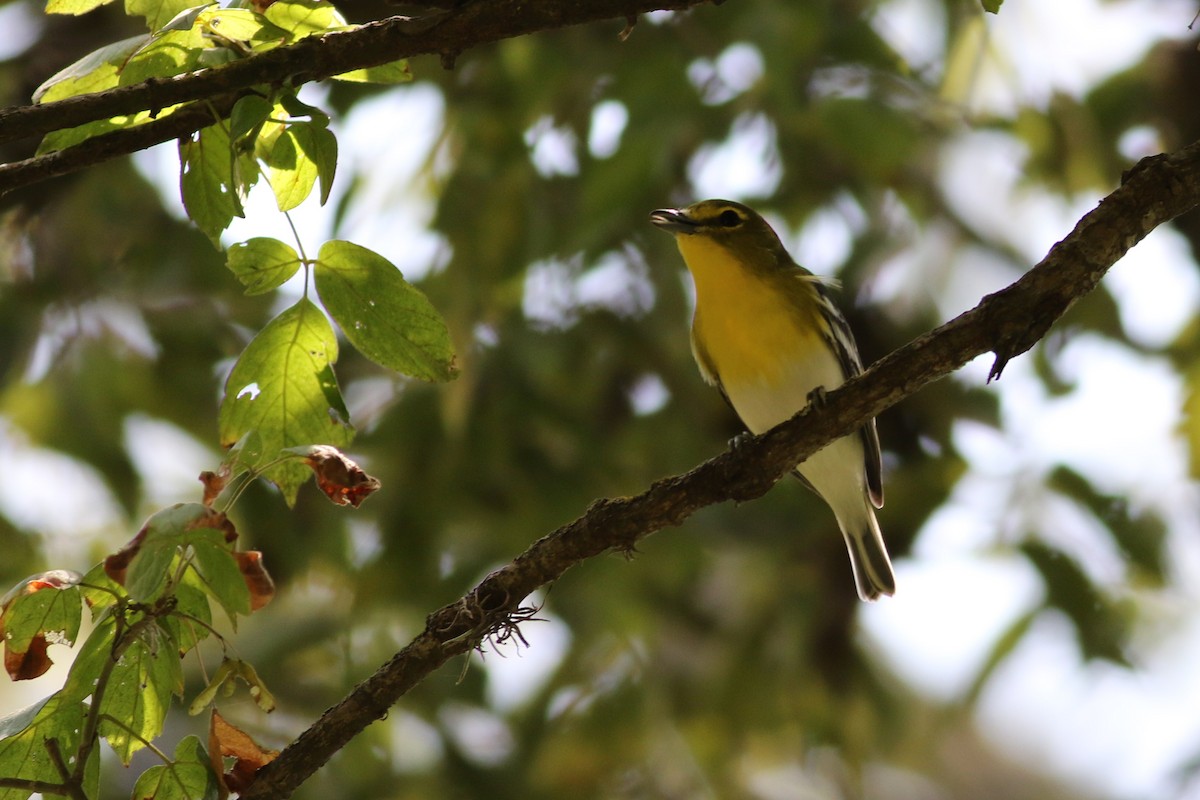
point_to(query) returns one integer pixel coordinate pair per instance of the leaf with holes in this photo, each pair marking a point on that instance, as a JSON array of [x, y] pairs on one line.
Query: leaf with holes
[[283, 387], [383, 315]]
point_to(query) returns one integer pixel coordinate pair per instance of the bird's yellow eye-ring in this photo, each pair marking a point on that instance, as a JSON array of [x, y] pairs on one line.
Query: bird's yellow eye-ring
[[729, 218]]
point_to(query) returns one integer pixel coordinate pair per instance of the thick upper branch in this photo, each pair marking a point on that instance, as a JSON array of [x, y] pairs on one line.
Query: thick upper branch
[[311, 59], [1006, 323]]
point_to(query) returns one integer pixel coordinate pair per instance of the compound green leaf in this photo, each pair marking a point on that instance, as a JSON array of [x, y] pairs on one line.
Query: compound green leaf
[[383, 315], [284, 388], [262, 263]]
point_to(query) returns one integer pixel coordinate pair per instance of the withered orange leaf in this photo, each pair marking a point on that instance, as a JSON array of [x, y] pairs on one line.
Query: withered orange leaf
[[258, 581], [343, 481], [229, 741], [214, 484]]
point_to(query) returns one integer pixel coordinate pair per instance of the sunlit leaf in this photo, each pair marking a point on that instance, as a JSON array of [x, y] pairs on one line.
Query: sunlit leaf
[[157, 13], [284, 388], [168, 54], [302, 18], [391, 73], [73, 7], [301, 153], [241, 28], [262, 264], [94, 72], [383, 315]]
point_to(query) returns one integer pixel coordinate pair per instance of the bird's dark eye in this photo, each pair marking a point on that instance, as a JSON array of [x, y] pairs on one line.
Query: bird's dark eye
[[730, 218]]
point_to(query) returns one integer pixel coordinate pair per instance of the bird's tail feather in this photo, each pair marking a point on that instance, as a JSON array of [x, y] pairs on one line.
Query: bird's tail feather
[[868, 556]]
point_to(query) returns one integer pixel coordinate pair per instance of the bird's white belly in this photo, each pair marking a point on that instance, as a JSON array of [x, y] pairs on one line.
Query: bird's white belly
[[763, 401], [836, 471]]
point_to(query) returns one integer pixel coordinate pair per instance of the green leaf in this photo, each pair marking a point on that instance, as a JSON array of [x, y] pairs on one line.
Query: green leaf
[[293, 172], [187, 623], [305, 18], [1101, 626], [168, 54], [992, 6], [262, 263], [100, 591], [52, 612], [1141, 537], [383, 315], [139, 692], [157, 13], [241, 29], [23, 736], [91, 659], [248, 113], [188, 777], [388, 74], [321, 146], [73, 7], [208, 182], [284, 388], [161, 539], [221, 577], [95, 72]]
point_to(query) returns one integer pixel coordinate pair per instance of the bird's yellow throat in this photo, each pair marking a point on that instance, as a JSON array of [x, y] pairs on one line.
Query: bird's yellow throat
[[749, 326]]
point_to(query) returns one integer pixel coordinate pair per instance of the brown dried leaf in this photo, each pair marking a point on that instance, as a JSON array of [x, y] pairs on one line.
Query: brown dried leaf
[[217, 521], [214, 484], [31, 664], [228, 741], [342, 480], [258, 581]]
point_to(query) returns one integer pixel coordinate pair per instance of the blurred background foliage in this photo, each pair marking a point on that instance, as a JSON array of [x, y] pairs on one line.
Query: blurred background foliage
[[730, 657]]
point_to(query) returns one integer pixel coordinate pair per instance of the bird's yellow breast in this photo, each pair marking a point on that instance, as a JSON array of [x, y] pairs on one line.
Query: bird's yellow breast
[[752, 328]]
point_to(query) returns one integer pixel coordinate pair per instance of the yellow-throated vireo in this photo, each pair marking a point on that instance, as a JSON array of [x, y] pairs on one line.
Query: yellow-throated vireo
[[767, 334]]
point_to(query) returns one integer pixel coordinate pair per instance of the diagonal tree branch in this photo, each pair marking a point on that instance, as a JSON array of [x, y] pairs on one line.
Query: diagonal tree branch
[[1006, 323], [311, 59]]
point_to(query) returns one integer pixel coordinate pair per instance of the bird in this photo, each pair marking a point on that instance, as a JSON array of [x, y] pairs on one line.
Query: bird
[[767, 334]]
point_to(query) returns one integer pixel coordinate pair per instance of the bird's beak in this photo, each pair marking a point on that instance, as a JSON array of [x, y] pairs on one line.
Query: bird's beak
[[673, 220]]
